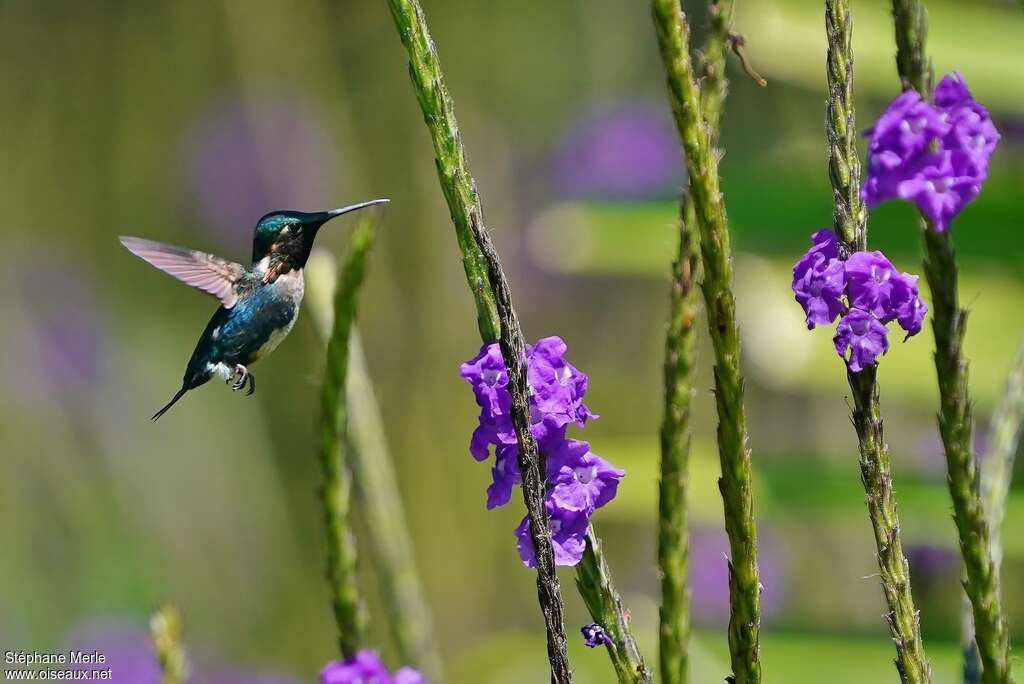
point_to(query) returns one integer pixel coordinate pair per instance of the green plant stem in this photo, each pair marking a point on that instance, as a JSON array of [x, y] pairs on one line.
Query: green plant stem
[[848, 214], [375, 488], [680, 353], [850, 223], [673, 484], [915, 68], [390, 549], [165, 630], [876, 475], [335, 448], [452, 167], [594, 582], [495, 316], [949, 323], [955, 423], [1005, 431], [709, 209]]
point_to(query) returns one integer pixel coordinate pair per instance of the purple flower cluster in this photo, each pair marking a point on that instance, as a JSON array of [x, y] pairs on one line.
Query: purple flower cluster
[[594, 636], [934, 154], [579, 481], [366, 667], [865, 291]]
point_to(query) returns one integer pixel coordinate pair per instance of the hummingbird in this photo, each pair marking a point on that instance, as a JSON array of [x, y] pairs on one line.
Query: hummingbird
[[258, 304]]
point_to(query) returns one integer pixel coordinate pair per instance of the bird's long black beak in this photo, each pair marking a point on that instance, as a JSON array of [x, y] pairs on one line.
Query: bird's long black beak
[[328, 215]]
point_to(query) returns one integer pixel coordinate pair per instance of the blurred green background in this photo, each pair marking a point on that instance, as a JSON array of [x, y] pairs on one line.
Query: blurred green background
[[185, 121]]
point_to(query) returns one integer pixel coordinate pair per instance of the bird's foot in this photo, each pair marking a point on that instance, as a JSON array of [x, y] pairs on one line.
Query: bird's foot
[[241, 378]]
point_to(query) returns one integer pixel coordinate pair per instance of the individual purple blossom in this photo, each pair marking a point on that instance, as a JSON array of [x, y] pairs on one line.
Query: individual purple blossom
[[586, 482], [860, 339], [568, 536], [594, 636], [818, 282], [940, 192], [933, 154], [505, 475], [876, 286], [366, 667]]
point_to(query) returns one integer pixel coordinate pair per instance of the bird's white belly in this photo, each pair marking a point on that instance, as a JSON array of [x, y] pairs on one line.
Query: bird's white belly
[[290, 286], [274, 340]]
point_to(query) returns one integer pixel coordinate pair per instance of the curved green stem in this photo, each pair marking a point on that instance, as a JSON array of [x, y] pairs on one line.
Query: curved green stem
[[850, 223], [949, 323], [495, 315], [709, 209], [335, 449], [680, 352]]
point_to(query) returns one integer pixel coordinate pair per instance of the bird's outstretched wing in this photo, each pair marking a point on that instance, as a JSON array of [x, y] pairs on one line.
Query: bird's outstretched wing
[[206, 272]]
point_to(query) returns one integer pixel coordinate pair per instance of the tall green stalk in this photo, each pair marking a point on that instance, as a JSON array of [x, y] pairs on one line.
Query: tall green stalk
[[375, 488], [949, 322], [165, 631], [850, 223], [673, 485], [1005, 430], [485, 281], [335, 448], [709, 209], [389, 546], [680, 352]]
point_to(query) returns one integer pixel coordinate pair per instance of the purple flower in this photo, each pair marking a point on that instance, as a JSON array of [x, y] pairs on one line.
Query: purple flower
[[129, 654], [505, 474], [863, 336], [243, 159], [935, 155], [556, 395], [366, 667], [876, 286], [594, 636], [818, 283], [628, 152], [579, 481], [568, 536], [939, 192], [584, 482]]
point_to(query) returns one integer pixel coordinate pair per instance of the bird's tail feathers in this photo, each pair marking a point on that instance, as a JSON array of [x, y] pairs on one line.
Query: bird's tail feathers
[[177, 395]]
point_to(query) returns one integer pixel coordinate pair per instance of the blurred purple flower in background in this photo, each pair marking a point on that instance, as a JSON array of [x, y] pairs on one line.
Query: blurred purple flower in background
[[935, 155], [128, 652], [928, 562], [366, 667], [62, 350], [244, 159], [709, 574], [132, 660], [630, 152]]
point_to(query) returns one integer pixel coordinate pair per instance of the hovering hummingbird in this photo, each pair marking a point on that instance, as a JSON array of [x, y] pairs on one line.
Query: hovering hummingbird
[[258, 305]]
